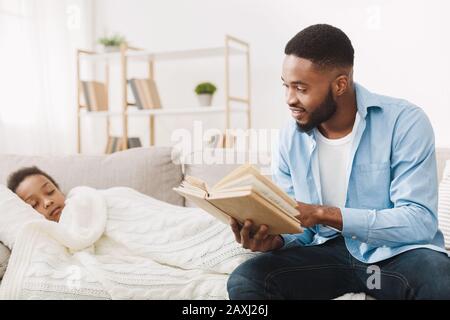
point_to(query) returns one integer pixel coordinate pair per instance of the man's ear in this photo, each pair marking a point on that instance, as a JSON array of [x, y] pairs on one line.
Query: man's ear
[[341, 84], [343, 80]]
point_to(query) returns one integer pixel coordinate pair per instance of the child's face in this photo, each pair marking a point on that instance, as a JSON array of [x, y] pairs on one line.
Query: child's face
[[42, 195]]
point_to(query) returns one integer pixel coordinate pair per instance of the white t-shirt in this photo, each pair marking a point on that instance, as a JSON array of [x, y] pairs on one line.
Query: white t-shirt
[[334, 156]]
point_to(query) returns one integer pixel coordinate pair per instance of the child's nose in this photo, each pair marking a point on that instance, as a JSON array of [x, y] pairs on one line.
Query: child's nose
[[47, 203]]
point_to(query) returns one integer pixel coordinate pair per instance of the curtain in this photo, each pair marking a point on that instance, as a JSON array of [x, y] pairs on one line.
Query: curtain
[[38, 41]]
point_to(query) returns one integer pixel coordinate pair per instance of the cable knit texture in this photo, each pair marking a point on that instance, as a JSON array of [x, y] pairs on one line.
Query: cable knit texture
[[120, 244]]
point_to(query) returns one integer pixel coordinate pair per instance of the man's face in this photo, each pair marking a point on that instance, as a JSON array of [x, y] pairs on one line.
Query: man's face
[[308, 92], [42, 195]]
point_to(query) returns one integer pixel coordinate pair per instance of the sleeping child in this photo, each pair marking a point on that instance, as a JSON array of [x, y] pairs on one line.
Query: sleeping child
[[39, 190], [114, 243]]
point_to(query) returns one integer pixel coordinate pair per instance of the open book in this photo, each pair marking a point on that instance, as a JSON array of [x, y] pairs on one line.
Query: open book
[[245, 194]]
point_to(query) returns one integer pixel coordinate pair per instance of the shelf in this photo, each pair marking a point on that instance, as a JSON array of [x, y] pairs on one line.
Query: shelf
[[164, 56], [99, 114], [190, 110], [165, 111], [232, 47]]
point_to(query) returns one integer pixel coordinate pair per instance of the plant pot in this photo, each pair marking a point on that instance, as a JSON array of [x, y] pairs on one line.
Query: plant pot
[[205, 99], [111, 49]]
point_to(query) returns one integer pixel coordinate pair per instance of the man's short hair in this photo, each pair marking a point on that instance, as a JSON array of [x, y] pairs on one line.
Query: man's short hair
[[16, 178], [324, 45]]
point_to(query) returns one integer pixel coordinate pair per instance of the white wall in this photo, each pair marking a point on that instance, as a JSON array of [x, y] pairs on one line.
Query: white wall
[[402, 48], [38, 42]]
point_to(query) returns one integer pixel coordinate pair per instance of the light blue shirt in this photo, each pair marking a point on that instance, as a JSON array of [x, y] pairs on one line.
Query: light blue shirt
[[392, 194]]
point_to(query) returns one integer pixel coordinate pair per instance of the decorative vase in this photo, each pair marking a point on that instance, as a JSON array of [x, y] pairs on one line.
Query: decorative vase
[[205, 99]]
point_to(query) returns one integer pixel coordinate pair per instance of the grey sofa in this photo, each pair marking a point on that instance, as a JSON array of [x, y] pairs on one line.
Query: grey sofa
[[152, 171]]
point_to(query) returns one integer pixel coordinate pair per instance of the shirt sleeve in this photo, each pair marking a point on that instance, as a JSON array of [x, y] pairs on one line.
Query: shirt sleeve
[[282, 177], [413, 191], [299, 239]]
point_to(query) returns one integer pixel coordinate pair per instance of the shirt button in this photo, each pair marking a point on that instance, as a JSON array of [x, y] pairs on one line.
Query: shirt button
[[354, 237]]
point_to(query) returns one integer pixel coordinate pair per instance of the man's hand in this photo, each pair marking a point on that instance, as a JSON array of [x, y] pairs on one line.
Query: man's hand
[[260, 241], [310, 215]]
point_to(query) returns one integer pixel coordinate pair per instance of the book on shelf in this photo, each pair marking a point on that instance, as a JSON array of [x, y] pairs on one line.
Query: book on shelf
[[95, 95], [145, 93], [115, 144], [245, 194], [221, 141], [134, 142]]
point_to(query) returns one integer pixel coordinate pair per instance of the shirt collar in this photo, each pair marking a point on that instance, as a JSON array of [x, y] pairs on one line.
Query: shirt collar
[[365, 100]]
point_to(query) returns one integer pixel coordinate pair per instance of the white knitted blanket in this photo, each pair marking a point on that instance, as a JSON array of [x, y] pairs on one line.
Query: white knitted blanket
[[121, 244]]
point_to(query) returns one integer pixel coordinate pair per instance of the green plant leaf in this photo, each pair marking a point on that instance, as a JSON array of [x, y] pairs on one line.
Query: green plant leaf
[[113, 41], [205, 87]]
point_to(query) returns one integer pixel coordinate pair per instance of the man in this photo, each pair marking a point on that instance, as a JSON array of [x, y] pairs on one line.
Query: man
[[362, 168]]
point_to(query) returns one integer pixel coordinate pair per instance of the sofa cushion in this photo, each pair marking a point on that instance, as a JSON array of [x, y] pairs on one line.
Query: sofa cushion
[[444, 205], [148, 170], [442, 155]]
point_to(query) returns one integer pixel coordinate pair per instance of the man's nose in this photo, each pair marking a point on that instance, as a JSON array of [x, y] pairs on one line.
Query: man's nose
[[291, 97]]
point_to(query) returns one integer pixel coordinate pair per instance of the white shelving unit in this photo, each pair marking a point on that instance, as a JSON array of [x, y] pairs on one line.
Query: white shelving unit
[[142, 55], [129, 54]]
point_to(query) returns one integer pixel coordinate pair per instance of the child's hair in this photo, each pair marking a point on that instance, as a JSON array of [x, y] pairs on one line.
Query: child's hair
[[16, 178]]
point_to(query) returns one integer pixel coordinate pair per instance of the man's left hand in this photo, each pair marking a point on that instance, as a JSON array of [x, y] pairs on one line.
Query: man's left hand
[[311, 214]]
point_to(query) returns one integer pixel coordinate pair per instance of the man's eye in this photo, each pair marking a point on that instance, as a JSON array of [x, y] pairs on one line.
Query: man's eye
[[299, 89]]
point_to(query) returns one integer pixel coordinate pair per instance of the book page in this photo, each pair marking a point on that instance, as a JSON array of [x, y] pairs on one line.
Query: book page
[[235, 174], [251, 182], [205, 205], [192, 191], [250, 177], [195, 182]]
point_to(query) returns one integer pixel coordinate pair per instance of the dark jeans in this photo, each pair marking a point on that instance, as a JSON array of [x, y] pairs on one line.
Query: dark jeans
[[328, 271]]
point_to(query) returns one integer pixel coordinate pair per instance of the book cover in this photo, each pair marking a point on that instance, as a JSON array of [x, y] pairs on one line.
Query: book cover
[[153, 91], [134, 142], [136, 94], [95, 95], [85, 90], [146, 95]]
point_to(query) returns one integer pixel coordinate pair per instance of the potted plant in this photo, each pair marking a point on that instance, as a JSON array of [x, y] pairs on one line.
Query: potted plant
[[205, 92], [112, 43]]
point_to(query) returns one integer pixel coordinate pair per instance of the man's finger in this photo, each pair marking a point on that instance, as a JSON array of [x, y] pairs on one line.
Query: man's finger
[[235, 227], [300, 206], [261, 234], [245, 233], [234, 224]]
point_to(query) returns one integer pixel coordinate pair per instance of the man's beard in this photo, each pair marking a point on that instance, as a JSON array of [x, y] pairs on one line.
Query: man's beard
[[323, 113]]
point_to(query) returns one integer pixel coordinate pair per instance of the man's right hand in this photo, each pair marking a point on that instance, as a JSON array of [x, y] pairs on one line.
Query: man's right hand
[[260, 241]]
